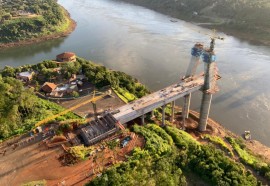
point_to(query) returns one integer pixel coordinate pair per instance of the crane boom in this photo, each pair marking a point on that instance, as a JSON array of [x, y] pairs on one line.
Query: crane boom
[[68, 110]]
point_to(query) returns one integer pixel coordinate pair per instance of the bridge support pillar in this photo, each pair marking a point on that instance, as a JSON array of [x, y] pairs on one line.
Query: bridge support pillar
[[142, 117], [173, 107], [152, 114], [163, 115], [204, 111], [185, 110]]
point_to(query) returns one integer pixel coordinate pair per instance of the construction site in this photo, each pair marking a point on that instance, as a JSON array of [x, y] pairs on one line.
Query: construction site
[[84, 151]]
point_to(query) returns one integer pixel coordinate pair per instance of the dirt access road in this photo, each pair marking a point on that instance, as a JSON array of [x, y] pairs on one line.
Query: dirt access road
[[37, 162]]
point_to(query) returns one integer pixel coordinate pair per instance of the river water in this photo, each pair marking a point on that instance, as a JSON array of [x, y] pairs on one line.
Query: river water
[[148, 46]]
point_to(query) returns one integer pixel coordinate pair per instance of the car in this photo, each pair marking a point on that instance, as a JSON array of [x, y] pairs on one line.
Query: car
[[125, 141]]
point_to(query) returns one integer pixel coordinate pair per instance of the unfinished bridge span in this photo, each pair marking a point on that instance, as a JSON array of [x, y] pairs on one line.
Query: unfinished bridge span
[[100, 128], [161, 98]]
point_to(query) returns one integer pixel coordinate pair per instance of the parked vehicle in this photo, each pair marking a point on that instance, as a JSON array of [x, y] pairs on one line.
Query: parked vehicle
[[125, 141]]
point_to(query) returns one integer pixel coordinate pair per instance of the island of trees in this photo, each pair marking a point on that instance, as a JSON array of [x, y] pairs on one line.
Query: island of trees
[[31, 20], [247, 19]]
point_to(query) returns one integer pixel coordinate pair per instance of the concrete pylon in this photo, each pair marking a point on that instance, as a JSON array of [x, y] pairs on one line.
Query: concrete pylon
[[209, 87], [196, 53], [173, 110]]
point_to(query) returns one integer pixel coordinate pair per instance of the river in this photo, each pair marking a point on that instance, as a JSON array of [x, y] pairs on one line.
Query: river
[[148, 46]]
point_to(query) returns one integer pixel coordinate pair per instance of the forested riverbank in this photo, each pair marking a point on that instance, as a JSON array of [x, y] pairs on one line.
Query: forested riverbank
[[172, 157], [27, 22], [20, 108], [248, 20]]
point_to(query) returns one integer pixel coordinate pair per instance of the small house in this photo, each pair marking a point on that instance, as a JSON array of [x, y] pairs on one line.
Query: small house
[[25, 76], [66, 57], [48, 87]]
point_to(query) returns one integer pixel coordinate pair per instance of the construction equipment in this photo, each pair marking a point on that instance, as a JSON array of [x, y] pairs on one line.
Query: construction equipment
[[94, 105], [70, 109]]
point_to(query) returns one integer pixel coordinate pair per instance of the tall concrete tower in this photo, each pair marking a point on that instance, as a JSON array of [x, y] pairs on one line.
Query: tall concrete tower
[[196, 53], [210, 74]]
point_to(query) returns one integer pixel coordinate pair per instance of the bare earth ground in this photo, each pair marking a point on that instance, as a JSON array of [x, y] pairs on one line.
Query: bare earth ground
[[108, 102], [37, 162]]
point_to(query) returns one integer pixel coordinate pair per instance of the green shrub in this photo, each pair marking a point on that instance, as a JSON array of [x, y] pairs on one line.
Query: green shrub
[[219, 141], [155, 144], [248, 158], [160, 132], [81, 152]]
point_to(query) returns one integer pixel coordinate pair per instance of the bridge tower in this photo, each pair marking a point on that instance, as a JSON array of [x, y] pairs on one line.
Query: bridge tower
[[209, 88], [196, 53]]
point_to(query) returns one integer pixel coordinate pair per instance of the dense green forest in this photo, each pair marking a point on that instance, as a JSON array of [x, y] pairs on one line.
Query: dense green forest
[[98, 75], [20, 109], [28, 19], [245, 18], [169, 153]]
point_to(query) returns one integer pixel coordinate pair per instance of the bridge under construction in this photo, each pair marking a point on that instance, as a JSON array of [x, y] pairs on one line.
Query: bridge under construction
[[206, 82]]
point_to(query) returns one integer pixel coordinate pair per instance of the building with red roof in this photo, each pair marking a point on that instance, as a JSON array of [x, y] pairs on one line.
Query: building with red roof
[[66, 57], [48, 87]]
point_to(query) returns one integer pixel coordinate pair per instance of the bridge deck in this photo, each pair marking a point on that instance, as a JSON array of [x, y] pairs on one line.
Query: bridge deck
[[157, 99], [104, 126]]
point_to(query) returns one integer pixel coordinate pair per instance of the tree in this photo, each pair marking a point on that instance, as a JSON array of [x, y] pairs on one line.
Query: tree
[[75, 94], [8, 72], [112, 146]]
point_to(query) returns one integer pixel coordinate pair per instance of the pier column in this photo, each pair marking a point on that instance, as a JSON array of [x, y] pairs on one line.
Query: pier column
[[152, 114], [204, 111], [185, 110], [163, 115], [173, 107], [142, 117]]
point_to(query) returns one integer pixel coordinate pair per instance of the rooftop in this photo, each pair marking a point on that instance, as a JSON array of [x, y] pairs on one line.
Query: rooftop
[[66, 55]]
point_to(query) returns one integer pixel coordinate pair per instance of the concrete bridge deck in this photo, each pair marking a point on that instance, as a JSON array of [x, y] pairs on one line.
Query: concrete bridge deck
[[157, 99]]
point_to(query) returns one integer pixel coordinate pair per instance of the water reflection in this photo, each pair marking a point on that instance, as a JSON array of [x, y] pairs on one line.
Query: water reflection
[[156, 51], [20, 55]]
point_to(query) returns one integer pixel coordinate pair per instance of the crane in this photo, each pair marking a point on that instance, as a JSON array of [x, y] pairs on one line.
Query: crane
[[94, 105], [94, 99]]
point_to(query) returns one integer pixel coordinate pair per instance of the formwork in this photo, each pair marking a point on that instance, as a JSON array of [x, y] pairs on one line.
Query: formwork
[[99, 129]]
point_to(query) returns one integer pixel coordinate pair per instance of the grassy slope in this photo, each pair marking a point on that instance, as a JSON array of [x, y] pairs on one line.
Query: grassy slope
[[210, 164]]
